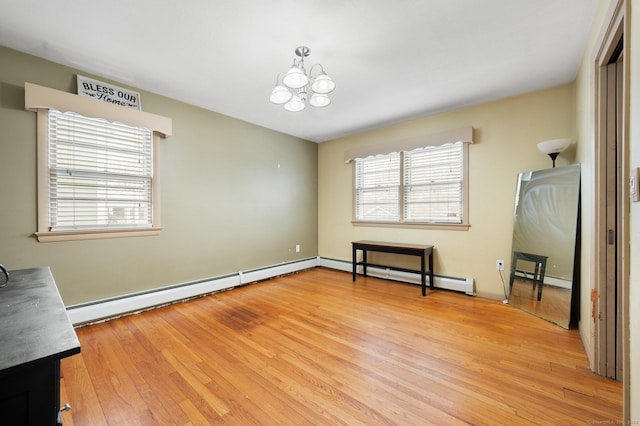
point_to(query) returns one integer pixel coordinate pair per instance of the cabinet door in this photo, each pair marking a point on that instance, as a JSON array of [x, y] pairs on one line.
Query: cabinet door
[[31, 395]]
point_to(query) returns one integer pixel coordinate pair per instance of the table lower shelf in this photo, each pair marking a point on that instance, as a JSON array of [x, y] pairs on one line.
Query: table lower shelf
[[396, 268]]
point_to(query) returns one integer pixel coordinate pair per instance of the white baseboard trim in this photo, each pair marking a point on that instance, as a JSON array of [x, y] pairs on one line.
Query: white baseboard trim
[[276, 270], [586, 343], [100, 310], [550, 281], [110, 308], [464, 285]]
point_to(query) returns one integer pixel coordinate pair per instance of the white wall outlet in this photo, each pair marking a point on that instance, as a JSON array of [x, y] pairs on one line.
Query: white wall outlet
[[500, 265], [297, 248]]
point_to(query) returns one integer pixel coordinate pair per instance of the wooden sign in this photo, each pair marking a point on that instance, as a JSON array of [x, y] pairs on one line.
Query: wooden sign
[[108, 93]]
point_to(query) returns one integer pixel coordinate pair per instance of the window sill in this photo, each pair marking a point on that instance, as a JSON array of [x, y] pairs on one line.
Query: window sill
[[48, 237], [442, 226]]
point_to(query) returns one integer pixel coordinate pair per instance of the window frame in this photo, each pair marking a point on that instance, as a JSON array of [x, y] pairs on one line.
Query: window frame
[[40, 99], [463, 225]]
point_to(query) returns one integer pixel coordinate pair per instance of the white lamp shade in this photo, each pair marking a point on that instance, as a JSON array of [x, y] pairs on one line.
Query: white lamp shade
[[323, 84], [295, 104], [280, 95], [295, 78], [319, 100], [554, 145]]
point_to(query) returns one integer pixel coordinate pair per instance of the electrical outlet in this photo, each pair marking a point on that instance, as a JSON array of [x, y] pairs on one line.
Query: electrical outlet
[[500, 265], [297, 248]]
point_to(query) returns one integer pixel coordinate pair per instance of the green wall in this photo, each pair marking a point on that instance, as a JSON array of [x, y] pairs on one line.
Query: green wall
[[234, 196]]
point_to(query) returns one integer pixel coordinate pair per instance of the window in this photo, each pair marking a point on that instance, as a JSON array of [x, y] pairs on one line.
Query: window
[[378, 188], [432, 184], [423, 186], [100, 174], [97, 177]]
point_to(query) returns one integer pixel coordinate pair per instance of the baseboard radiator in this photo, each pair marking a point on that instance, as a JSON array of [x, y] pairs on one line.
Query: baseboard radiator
[[99, 310], [464, 285]]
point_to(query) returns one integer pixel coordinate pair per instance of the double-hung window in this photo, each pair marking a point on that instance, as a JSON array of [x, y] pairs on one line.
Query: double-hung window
[[424, 186], [100, 174], [97, 167]]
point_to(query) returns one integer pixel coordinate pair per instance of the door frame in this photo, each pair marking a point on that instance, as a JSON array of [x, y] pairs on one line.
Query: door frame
[[615, 29]]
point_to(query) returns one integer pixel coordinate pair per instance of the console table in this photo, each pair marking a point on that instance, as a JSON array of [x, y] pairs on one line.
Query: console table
[[35, 334], [423, 251]]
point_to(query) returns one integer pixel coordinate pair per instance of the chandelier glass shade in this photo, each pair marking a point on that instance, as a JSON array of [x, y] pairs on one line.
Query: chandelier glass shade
[[295, 78], [296, 87]]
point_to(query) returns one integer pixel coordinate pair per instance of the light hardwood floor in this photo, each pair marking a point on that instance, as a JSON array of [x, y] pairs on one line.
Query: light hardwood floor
[[316, 348]]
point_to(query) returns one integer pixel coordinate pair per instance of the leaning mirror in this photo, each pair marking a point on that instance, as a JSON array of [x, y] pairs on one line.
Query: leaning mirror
[[543, 258]]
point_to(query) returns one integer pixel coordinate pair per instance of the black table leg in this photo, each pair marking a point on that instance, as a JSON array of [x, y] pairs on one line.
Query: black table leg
[[355, 263], [364, 262], [431, 283], [541, 280], [423, 274]]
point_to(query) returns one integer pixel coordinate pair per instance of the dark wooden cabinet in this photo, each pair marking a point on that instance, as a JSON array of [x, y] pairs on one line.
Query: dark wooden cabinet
[[35, 334]]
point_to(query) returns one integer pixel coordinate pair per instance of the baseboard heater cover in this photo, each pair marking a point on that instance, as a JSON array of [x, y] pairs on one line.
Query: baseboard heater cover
[[550, 281], [87, 313], [464, 285], [268, 272], [99, 310]]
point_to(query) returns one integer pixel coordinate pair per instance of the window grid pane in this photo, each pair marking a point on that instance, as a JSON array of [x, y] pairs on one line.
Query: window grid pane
[[433, 184], [100, 173], [377, 188]]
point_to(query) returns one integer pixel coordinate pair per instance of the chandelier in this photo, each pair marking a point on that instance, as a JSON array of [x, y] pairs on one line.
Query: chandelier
[[298, 87]]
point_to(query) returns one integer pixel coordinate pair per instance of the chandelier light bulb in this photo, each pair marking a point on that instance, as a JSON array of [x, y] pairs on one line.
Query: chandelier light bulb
[[295, 104], [319, 100], [295, 78], [280, 95], [323, 84]]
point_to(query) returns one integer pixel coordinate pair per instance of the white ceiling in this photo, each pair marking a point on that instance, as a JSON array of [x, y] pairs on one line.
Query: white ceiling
[[392, 61]]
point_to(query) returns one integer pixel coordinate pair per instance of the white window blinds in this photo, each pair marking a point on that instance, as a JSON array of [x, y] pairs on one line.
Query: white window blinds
[[100, 174], [377, 188], [433, 184], [421, 186]]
